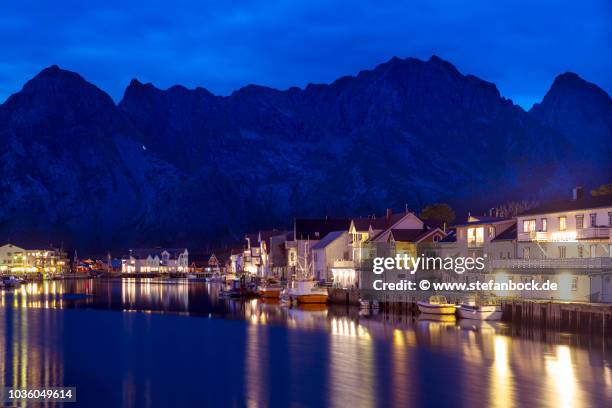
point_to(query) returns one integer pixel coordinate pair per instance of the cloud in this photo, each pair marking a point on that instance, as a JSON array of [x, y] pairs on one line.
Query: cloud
[[222, 46]]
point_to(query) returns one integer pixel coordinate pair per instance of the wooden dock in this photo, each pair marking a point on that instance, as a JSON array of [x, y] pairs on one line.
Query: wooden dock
[[561, 316], [577, 317]]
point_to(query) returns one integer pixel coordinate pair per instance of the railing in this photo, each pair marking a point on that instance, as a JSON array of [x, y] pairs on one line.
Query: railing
[[533, 236], [475, 244], [593, 232], [343, 263], [575, 263]]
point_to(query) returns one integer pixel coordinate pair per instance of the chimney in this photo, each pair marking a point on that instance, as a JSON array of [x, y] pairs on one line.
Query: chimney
[[389, 212], [577, 193]]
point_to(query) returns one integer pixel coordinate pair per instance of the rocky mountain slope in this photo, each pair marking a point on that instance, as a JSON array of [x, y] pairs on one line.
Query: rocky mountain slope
[[186, 167]]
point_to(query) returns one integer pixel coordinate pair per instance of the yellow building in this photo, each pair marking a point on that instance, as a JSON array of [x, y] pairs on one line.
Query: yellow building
[[18, 260]]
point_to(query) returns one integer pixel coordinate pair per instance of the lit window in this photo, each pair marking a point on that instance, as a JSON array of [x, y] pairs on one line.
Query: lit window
[[529, 225], [526, 251], [579, 221], [574, 284], [475, 236], [562, 223]]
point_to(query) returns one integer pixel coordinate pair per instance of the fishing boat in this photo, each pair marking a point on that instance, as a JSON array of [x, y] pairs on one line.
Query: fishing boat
[[240, 288], [436, 305], [270, 291], [444, 318], [482, 310], [10, 281], [307, 291]]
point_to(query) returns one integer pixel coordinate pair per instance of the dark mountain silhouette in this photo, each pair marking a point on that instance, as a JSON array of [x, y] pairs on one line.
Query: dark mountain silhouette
[[186, 167], [582, 112]]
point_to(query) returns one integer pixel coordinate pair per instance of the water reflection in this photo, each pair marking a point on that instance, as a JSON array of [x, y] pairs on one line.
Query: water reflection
[[307, 356]]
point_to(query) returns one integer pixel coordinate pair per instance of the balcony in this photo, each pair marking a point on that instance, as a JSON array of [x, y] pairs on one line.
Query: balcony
[[593, 233], [533, 236], [343, 263], [472, 243], [556, 263]]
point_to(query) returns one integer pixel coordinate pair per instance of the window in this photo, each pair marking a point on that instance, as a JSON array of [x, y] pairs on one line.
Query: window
[[509, 255], [574, 285], [579, 221], [544, 224], [529, 225], [526, 251], [491, 232], [562, 223], [593, 251], [475, 236], [561, 252], [580, 251], [593, 220], [436, 238]]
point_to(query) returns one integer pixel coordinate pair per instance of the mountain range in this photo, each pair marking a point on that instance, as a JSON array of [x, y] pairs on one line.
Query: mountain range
[[186, 167]]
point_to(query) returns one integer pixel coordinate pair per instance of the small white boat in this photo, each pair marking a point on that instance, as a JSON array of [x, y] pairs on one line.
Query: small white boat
[[270, 291], [10, 281], [307, 291], [436, 305], [480, 312]]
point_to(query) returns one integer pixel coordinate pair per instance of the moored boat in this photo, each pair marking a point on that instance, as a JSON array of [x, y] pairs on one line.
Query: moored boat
[[480, 312], [271, 291], [10, 281], [307, 291], [436, 305], [240, 288]]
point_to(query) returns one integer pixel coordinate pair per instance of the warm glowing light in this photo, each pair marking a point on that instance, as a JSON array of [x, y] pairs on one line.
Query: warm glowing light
[[563, 236], [561, 372]]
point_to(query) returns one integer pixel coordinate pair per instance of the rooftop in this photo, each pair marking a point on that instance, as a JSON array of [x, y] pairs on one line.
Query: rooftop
[[483, 221], [328, 239], [584, 203], [507, 235], [317, 228]]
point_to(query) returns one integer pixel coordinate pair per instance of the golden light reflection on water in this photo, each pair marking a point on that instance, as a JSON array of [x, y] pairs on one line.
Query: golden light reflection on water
[[24, 361], [501, 388], [562, 379], [255, 372], [351, 365], [496, 368]]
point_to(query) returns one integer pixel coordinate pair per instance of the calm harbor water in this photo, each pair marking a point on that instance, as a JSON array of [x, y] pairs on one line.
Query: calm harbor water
[[129, 343]]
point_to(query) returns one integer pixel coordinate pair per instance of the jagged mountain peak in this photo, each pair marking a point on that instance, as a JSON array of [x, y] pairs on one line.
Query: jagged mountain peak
[[570, 89], [58, 90], [406, 131]]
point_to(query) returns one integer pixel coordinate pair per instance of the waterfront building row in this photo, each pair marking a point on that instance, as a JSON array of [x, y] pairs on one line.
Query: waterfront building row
[[16, 260], [568, 242]]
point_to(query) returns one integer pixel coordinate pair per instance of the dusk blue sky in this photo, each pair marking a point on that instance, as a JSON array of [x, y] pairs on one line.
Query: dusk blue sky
[[519, 45]]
